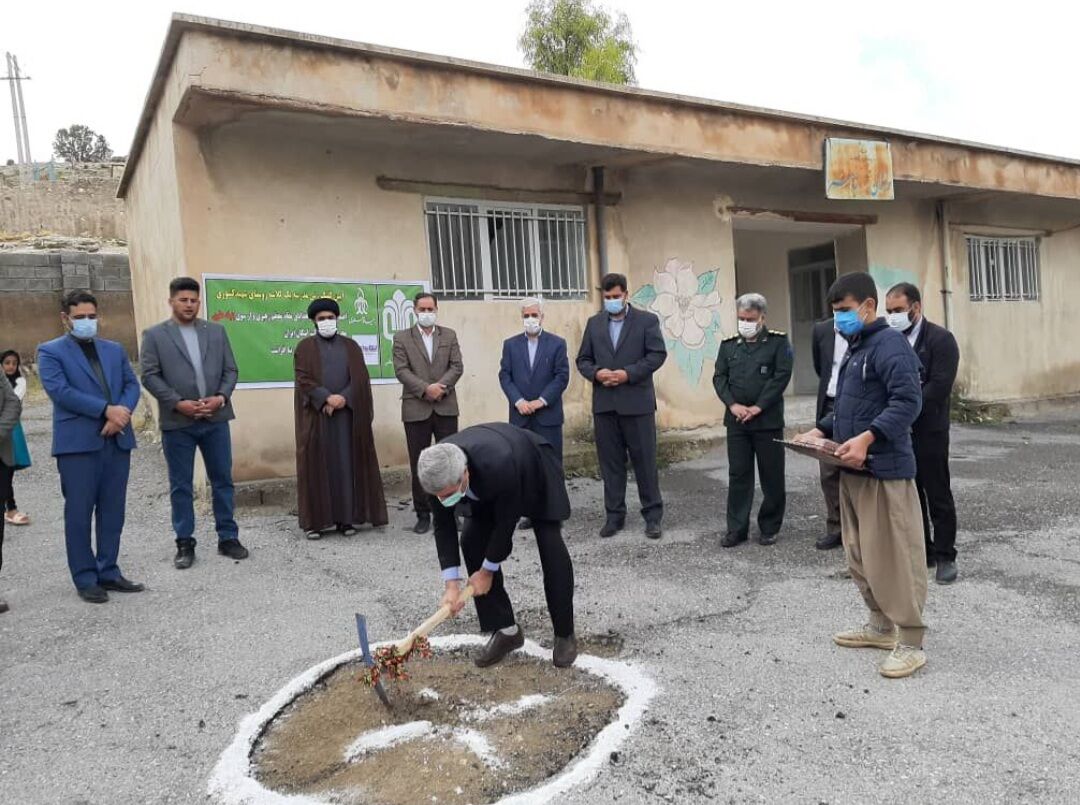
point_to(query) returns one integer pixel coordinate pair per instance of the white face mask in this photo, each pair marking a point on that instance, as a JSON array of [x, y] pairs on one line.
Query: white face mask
[[899, 321], [327, 327], [748, 329], [427, 318], [532, 325]]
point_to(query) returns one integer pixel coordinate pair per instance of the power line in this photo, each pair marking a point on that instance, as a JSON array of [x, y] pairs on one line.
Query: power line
[[18, 111]]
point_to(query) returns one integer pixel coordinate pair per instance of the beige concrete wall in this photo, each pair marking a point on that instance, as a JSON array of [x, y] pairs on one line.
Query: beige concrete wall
[[81, 201]]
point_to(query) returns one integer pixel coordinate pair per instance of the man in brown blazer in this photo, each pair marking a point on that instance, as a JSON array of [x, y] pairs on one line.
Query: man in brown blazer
[[427, 362]]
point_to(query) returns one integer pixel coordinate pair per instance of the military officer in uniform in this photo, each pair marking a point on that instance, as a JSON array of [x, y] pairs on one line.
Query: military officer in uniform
[[752, 370]]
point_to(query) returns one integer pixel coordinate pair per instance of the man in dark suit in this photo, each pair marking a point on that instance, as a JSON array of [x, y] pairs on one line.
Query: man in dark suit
[[829, 350], [940, 356], [93, 392], [188, 365], [620, 350], [427, 363], [501, 473]]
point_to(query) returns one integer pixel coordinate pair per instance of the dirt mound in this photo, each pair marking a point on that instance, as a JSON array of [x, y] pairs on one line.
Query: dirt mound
[[456, 734]]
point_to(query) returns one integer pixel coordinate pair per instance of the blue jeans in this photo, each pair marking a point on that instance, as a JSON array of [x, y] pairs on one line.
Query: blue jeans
[[214, 441]]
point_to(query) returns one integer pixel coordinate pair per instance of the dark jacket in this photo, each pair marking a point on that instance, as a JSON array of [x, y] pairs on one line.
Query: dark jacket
[[640, 352], [824, 346], [754, 373], [878, 390], [548, 377], [514, 473], [939, 356], [168, 374]]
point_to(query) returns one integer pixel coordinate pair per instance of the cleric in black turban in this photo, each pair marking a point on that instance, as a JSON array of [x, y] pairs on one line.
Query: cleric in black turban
[[319, 305]]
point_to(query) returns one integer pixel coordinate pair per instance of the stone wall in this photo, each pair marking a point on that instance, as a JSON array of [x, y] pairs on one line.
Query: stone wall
[[75, 200], [32, 284]]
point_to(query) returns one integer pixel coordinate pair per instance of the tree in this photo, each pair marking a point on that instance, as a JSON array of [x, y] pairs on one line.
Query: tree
[[577, 38], [81, 144]]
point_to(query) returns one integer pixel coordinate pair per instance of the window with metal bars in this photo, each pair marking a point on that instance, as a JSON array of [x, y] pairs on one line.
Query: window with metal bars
[[483, 250], [1003, 269]]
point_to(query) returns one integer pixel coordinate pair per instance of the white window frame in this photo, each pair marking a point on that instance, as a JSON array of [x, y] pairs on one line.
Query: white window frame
[[532, 218], [990, 275]]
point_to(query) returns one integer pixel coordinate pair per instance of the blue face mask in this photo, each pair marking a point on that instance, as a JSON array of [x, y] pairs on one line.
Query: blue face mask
[[848, 323], [452, 500], [614, 306], [84, 329]]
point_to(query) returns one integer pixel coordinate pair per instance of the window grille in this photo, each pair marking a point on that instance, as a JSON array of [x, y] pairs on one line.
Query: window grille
[[1003, 269], [482, 250]]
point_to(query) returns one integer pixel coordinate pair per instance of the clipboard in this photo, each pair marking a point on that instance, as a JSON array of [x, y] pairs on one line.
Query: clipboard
[[824, 450]]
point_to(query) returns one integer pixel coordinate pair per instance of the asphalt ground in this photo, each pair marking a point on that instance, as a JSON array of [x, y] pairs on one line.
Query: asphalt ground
[[133, 701]]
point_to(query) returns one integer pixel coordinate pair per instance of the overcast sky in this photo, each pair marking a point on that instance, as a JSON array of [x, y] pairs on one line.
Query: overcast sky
[[1000, 73]]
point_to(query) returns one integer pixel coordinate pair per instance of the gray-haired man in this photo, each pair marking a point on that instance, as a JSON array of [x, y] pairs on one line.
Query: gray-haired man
[[752, 370], [501, 473]]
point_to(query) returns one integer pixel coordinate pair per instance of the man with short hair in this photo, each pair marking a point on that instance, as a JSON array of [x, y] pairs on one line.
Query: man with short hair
[[940, 356], [501, 473], [621, 349], [877, 401], [187, 363], [427, 363], [753, 368], [93, 392]]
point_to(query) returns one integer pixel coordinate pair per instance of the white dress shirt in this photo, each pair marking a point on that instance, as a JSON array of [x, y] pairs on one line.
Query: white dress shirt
[[913, 336], [429, 342], [840, 348]]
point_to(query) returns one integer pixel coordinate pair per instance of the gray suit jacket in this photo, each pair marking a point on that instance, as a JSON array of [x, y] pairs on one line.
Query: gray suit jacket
[[168, 374], [10, 409], [415, 372]]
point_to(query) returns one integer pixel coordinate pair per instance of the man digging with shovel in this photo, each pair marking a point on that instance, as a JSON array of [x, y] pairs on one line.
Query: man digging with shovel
[[500, 474]]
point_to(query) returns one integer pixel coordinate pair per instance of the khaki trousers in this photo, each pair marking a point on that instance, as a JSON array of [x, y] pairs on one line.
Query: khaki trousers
[[883, 541]]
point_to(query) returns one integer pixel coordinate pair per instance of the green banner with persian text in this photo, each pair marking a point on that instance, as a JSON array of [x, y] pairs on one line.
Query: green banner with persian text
[[266, 317]]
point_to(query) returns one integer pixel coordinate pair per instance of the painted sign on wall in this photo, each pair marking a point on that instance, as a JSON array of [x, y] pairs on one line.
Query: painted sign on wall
[[266, 317], [858, 170]]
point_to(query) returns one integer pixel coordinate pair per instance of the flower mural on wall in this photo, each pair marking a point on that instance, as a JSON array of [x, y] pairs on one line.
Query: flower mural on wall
[[688, 305]]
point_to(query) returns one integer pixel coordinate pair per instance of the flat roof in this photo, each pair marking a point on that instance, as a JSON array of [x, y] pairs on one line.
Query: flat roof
[[182, 23]]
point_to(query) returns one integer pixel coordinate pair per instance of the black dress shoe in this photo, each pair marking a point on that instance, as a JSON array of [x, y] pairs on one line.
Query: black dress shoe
[[185, 555], [828, 542], [93, 595], [525, 524], [612, 527], [423, 524], [946, 572], [122, 585], [731, 539], [767, 539], [565, 651], [653, 530], [232, 549], [497, 647]]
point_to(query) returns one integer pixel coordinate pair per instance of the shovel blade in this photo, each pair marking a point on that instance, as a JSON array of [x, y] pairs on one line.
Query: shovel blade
[[369, 660]]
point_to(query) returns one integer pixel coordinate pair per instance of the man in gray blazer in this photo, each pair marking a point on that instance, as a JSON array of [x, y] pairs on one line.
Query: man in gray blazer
[[10, 409], [188, 365], [427, 362], [621, 348]]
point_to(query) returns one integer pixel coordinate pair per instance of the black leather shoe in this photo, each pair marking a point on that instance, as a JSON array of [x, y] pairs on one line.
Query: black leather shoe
[[828, 542], [93, 595], [525, 524], [653, 530], [565, 651], [946, 572], [731, 539], [767, 539], [612, 527], [497, 647], [185, 555], [232, 549], [423, 524], [122, 585]]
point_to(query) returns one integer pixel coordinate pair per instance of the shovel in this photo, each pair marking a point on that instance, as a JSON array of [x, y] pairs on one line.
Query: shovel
[[369, 661]]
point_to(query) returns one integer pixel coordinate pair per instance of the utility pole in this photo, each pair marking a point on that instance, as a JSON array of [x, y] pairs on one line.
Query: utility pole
[[18, 110]]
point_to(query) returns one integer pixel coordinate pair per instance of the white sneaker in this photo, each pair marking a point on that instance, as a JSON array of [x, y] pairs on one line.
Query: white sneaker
[[904, 661]]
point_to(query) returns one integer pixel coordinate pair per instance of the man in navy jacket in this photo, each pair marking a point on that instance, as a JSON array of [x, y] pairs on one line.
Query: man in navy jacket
[[93, 392], [878, 399]]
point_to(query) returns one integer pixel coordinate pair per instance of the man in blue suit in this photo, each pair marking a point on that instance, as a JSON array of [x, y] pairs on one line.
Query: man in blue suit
[[534, 372], [93, 391]]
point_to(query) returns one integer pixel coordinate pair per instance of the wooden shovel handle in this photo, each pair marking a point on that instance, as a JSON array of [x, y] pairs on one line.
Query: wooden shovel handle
[[428, 626]]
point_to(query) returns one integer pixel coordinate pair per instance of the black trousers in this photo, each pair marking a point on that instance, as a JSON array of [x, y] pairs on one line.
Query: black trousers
[[6, 474], [494, 609], [616, 436], [418, 435], [743, 446], [934, 483]]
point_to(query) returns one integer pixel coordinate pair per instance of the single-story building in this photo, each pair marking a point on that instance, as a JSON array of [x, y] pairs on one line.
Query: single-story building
[[269, 154]]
